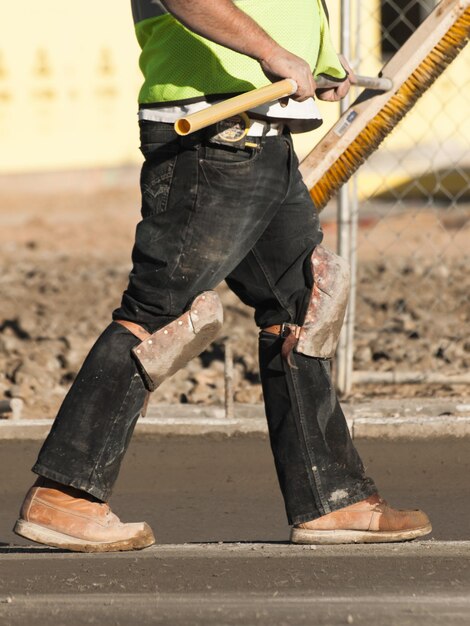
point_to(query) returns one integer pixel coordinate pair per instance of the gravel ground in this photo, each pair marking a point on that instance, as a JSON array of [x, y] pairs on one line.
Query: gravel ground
[[64, 255]]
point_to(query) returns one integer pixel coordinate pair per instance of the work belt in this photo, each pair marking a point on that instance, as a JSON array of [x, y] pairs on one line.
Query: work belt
[[242, 132], [239, 131], [283, 330], [265, 128], [290, 333]]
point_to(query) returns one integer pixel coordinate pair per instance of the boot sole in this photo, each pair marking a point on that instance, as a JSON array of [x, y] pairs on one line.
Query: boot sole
[[44, 535], [328, 537]]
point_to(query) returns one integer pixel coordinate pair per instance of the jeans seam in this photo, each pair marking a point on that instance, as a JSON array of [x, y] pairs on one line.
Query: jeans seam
[[183, 246], [301, 437], [312, 470], [273, 288], [289, 180], [114, 422], [291, 167]]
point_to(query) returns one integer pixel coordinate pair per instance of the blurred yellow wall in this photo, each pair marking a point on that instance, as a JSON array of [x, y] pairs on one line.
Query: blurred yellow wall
[[69, 79], [68, 85]]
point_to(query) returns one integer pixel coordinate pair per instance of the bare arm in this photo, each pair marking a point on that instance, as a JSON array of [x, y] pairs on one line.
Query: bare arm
[[222, 22]]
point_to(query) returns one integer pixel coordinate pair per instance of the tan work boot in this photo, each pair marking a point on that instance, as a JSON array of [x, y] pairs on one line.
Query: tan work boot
[[67, 518], [368, 521]]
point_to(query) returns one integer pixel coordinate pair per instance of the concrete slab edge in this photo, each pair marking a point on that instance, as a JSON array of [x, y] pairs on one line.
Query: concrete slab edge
[[384, 428], [422, 549]]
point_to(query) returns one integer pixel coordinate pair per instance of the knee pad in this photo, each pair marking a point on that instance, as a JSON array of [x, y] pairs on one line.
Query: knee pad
[[167, 350], [319, 334]]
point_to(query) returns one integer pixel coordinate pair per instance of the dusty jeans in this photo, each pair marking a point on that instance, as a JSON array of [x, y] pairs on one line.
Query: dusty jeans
[[211, 213]]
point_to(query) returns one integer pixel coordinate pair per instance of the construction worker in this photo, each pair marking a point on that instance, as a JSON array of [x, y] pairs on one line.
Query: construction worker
[[224, 203]]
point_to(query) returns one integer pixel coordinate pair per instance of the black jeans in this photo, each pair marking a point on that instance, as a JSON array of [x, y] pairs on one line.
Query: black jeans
[[211, 213]]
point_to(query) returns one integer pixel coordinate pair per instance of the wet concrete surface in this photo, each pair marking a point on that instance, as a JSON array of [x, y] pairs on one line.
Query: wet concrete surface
[[215, 507]]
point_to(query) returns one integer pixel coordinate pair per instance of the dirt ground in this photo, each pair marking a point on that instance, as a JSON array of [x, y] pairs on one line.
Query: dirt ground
[[65, 244]]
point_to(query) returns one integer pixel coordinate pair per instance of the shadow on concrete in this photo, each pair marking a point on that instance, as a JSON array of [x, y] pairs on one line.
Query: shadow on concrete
[[7, 548]]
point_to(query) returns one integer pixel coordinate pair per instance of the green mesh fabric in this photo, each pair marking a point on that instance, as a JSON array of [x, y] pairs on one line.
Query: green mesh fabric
[[179, 65]]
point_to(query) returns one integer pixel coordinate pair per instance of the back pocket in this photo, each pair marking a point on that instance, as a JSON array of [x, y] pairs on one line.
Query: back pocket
[[155, 182]]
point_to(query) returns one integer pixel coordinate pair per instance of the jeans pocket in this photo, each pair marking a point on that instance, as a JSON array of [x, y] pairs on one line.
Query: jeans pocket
[[222, 156], [155, 181]]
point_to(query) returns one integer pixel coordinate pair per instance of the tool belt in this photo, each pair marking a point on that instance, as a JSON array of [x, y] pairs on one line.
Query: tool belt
[[241, 131]]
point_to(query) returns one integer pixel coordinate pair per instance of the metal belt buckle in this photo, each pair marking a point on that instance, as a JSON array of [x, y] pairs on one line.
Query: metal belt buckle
[[287, 329]]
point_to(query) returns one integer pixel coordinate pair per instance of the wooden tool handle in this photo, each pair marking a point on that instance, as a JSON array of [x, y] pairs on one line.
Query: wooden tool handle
[[234, 106], [251, 99], [377, 83]]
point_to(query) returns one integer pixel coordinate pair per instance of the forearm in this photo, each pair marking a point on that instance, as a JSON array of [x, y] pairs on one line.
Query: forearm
[[222, 22]]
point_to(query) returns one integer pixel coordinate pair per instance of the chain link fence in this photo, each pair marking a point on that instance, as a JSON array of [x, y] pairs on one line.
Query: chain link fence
[[404, 224]]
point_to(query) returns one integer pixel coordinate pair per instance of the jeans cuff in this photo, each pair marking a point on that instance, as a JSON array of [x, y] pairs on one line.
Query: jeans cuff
[[40, 470], [364, 493]]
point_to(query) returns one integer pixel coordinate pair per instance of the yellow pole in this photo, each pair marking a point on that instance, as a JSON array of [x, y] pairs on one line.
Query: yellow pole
[[234, 106]]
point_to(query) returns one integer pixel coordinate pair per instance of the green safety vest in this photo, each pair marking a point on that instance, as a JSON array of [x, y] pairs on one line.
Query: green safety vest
[[180, 66]]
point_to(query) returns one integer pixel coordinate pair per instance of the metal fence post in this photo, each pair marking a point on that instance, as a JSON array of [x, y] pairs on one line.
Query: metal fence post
[[347, 225], [228, 379]]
